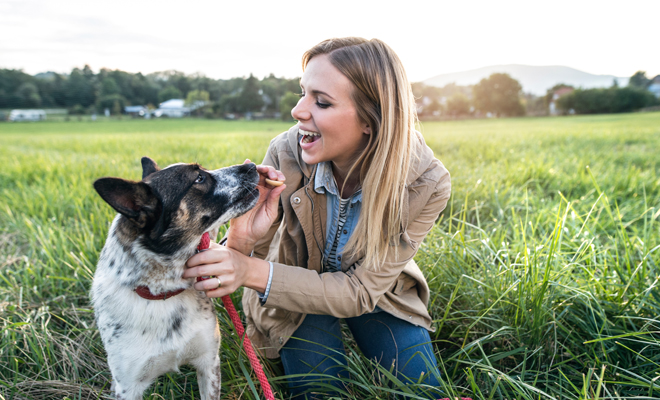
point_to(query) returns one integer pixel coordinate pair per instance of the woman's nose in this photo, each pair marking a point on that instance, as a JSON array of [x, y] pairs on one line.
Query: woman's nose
[[300, 111]]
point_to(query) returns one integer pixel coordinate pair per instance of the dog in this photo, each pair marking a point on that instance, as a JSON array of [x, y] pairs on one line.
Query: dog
[[151, 320]]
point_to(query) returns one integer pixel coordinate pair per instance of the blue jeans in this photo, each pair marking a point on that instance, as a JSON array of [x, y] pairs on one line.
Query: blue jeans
[[316, 348]]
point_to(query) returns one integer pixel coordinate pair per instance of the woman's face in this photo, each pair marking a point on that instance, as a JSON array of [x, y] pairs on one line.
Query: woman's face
[[327, 117]]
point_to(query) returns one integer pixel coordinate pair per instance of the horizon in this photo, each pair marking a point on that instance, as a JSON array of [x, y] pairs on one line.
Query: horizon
[[96, 71], [224, 41]]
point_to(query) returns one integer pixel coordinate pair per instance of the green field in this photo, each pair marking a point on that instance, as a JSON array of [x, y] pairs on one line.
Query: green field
[[544, 268]]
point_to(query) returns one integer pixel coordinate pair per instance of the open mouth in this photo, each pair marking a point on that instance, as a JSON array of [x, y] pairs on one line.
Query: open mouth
[[309, 137]]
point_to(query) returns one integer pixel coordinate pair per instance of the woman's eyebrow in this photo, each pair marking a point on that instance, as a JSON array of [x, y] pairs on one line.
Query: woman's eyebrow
[[323, 93], [317, 91]]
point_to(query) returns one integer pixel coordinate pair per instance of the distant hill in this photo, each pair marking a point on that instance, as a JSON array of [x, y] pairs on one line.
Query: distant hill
[[46, 76], [533, 79]]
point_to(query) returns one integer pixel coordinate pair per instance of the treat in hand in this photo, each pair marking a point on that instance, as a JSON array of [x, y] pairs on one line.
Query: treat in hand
[[274, 183]]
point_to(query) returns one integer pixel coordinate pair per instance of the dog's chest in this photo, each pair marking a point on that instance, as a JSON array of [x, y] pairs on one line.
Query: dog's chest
[[126, 319]]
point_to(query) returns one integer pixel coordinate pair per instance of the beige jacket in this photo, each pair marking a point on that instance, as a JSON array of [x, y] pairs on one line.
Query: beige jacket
[[295, 245]]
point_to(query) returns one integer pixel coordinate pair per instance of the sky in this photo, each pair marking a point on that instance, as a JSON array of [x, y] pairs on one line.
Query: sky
[[223, 39]]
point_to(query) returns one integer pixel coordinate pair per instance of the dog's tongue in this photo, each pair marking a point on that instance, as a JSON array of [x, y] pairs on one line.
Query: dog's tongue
[[204, 244]]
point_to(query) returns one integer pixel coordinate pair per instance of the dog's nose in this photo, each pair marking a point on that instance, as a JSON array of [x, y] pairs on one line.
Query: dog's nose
[[246, 170]]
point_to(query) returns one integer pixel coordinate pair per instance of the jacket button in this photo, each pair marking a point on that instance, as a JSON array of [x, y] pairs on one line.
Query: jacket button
[[296, 200], [281, 340]]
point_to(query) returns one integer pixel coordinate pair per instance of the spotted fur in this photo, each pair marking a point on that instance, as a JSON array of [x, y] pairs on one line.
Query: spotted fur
[[160, 222]]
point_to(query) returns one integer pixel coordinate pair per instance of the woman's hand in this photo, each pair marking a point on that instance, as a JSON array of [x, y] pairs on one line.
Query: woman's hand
[[246, 230], [230, 270]]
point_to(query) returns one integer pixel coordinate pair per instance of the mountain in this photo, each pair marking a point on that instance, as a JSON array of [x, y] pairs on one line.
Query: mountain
[[46, 76], [533, 79]]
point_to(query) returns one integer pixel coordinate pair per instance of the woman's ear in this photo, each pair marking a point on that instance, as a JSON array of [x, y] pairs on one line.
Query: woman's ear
[[366, 129]]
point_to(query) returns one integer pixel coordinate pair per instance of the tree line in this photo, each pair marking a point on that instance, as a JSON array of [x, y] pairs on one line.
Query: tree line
[[614, 99], [501, 95], [85, 92]]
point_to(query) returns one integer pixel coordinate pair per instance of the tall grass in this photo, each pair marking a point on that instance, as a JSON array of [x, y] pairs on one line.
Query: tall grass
[[543, 269]]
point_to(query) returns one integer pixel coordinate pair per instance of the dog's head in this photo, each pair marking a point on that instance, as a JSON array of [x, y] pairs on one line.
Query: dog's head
[[171, 208]]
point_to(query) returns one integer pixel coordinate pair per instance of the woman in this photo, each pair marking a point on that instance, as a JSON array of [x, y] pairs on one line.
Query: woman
[[362, 192]]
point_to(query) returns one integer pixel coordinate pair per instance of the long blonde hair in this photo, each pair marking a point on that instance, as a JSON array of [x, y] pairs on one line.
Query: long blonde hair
[[383, 98]]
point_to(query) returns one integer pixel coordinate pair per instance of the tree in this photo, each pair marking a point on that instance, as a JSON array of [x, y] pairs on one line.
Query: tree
[[498, 94], [110, 101], [198, 100], [109, 86], [458, 104], [168, 93], [610, 100], [551, 92], [228, 103], [288, 101], [195, 96], [116, 108], [144, 90], [434, 108], [78, 90], [250, 99], [173, 78], [639, 80], [28, 95]]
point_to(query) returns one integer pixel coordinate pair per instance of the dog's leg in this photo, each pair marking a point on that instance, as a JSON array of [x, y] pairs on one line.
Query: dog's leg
[[208, 377], [132, 391]]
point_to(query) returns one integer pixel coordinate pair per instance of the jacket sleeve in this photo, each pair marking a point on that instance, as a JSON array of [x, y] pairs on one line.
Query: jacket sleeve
[[357, 291]]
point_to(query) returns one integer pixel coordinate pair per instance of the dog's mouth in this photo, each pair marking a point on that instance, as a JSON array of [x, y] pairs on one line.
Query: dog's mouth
[[250, 198], [244, 203]]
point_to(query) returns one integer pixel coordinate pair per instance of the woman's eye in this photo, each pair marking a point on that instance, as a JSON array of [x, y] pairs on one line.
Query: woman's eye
[[200, 178], [322, 105]]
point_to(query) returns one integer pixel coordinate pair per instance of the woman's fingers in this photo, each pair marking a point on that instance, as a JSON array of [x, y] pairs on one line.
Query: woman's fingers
[[203, 260], [209, 284], [219, 292], [270, 173]]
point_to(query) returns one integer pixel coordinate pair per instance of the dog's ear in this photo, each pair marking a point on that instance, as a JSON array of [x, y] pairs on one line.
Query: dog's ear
[[149, 166], [135, 200]]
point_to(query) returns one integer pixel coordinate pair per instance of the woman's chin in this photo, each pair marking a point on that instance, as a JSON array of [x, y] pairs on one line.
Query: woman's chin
[[309, 159]]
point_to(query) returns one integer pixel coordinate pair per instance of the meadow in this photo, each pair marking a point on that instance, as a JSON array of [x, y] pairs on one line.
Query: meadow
[[544, 268]]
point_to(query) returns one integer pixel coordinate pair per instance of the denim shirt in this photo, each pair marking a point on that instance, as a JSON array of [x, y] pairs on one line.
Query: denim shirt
[[324, 183]]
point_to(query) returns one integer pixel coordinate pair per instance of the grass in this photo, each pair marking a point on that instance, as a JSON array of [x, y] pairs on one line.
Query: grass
[[543, 269]]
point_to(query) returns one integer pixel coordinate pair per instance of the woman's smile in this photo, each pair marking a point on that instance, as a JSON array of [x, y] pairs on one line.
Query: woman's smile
[[308, 138]]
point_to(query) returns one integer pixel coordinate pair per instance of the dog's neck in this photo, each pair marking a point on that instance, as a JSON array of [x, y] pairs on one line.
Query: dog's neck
[[134, 264]]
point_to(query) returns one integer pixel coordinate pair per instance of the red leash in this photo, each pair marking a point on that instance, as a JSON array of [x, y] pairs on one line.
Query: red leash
[[238, 325]]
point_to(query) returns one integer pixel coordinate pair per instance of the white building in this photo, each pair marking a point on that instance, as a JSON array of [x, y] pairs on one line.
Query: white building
[[173, 108], [27, 115]]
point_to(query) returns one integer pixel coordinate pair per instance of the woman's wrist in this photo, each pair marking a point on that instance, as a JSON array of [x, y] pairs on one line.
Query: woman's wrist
[[241, 245], [257, 274]]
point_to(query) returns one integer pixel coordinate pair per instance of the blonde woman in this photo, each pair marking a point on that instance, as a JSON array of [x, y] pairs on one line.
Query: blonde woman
[[338, 240]]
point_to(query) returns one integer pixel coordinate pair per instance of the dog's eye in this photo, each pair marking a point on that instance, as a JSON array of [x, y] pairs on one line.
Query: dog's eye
[[200, 178]]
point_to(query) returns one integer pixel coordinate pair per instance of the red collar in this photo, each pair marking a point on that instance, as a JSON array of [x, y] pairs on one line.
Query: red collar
[[145, 293]]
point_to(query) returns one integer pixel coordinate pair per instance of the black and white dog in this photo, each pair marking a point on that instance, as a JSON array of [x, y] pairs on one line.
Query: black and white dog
[[152, 320]]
